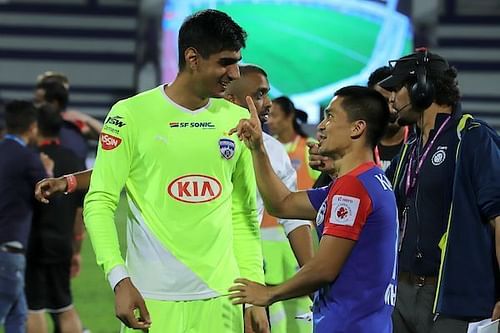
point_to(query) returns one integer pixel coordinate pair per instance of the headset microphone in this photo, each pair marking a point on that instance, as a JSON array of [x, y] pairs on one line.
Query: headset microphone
[[401, 108], [393, 117]]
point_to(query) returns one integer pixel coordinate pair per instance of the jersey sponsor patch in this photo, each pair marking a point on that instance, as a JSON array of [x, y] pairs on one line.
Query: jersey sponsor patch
[[193, 124], [227, 147], [195, 188], [109, 142], [117, 121], [344, 210], [114, 124]]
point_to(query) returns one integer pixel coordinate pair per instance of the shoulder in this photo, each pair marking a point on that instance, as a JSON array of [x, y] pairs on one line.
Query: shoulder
[[273, 146], [349, 182], [318, 195], [141, 102], [478, 135], [228, 109]]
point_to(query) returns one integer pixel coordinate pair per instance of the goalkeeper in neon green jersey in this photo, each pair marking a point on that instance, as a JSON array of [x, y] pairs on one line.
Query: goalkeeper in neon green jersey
[[192, 221]]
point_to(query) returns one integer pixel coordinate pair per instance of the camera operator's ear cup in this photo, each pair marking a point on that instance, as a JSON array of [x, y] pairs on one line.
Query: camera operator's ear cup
[[422, 92]]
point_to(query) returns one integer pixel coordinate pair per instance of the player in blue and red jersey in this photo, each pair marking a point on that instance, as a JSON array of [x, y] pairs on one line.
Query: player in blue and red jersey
[[354, 271]]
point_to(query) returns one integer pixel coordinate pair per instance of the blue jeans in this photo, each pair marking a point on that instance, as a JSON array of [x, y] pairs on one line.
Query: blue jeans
[[13, 309]]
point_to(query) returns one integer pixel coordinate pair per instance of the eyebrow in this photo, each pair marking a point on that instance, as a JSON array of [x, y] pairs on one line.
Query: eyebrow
[[229, 60]]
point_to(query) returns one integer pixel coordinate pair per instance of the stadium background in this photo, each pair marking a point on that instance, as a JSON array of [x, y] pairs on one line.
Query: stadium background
[[112, 48]]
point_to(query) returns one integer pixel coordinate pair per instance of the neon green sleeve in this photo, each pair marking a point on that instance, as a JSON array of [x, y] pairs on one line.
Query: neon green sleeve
[[246, 231], [110, 173]]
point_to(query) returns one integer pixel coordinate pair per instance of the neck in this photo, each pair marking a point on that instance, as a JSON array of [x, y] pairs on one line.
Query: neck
[[183, 92], [393, 139], [428, 120], [287, 135], [352, 159]]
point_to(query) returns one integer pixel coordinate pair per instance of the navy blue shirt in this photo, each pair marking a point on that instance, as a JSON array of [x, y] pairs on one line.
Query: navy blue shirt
[[20, 169], [424, 209], [73, 139]]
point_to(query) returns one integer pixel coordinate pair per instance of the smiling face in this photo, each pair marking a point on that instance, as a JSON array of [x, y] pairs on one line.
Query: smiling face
[[255, 85], [334, 132], [214, 73]]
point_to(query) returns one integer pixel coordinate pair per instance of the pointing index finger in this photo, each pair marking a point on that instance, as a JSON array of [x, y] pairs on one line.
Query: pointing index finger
[[252, 108]]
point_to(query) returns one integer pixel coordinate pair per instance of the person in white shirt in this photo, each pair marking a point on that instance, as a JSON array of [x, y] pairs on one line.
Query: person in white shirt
[[283, 253]]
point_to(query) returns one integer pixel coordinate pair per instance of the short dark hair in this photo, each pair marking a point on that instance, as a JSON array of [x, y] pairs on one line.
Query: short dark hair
[[19, 116], [209, 31], [363, 103], [250, 68], [49, 121], [290, 110], [54, 91], [378, 75]]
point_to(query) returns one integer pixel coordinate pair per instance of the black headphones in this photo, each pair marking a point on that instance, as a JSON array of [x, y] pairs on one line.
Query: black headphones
[[422, 92]]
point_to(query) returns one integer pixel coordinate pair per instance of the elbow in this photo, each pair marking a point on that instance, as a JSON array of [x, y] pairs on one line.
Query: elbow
[[276, 211], [326, 274], [320, 274]]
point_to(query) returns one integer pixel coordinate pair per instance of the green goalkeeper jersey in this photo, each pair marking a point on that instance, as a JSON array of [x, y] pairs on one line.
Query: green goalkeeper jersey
[[192, 222]]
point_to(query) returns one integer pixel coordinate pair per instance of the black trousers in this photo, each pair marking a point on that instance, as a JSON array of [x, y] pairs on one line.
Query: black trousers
[[413, 312]]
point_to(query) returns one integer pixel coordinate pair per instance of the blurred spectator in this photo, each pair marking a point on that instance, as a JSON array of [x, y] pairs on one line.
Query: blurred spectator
[[53, 246], [284, 123], [89, 126], [18, 176], [54, 94]]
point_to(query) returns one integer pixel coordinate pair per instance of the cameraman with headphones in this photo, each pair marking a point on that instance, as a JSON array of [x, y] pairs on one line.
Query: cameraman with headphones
[[447, 185]]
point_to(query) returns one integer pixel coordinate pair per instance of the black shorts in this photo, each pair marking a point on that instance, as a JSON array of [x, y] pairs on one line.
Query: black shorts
[[48, 287]]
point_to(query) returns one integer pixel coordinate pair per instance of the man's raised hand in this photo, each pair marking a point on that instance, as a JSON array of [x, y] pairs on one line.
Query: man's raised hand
[[249, 130]]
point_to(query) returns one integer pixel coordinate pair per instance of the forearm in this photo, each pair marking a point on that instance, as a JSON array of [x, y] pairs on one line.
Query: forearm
[[246, 240], [78, 181], [271, 188], [99, 221], [309, 278], [246, 231], [95, 125], [83, 179], [302, 245]]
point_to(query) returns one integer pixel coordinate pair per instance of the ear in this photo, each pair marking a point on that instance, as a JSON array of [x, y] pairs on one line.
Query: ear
[[358, 127], [191, 57]]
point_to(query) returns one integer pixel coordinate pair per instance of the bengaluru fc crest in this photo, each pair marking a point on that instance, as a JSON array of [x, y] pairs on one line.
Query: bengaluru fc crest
[[226, 147]]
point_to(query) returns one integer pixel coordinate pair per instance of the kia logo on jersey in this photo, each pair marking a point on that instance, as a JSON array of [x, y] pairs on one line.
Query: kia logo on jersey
[[195, 189], [109, 142]]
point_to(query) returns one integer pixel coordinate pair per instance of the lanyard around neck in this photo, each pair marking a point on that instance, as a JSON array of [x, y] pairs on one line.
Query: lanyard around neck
[[411, 178]]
